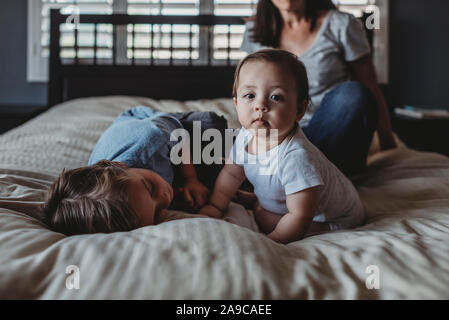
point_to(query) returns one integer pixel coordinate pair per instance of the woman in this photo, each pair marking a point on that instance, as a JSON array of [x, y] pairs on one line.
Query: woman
[[332, 44]]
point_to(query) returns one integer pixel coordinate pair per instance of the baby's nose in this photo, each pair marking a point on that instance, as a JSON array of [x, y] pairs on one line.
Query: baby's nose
[[261, 107]]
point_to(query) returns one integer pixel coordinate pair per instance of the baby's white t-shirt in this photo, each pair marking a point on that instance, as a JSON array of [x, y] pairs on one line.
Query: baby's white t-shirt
[[295, 165]]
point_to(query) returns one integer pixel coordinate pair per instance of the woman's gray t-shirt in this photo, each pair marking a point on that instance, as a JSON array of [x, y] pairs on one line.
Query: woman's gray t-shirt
[[340, 39]]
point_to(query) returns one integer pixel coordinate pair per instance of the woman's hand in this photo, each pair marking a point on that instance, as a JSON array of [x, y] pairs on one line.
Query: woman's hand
[[210, 211], [386, 138], [194, 193]]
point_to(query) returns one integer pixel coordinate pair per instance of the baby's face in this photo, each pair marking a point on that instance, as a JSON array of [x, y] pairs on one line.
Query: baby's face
[[266, 98], [149, 195]]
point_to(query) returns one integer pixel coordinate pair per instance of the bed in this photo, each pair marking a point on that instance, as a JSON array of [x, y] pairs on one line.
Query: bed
[[400, 253]]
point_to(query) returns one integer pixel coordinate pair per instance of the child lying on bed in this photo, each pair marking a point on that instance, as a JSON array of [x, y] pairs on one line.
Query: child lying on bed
[[128, 183], [298, 189]]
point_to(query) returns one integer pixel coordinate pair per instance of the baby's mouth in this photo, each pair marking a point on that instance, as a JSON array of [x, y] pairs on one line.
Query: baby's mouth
[[260, 122]]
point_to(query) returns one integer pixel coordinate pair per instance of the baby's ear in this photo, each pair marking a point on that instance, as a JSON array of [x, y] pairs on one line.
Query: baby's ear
[[235, 101], [303, 112]]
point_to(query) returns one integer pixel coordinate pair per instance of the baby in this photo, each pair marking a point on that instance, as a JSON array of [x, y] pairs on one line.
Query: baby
[[298, 189], [128, 183]]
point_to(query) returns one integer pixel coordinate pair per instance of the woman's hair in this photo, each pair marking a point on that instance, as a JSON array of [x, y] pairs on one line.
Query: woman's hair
[[268, 21], [286, 60], [90, 200]]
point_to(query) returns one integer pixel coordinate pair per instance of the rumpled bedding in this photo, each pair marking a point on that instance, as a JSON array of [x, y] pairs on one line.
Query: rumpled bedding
[[401, 252]]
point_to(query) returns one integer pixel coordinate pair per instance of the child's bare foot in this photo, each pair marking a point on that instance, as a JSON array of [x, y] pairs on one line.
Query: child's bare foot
[[245, 198]]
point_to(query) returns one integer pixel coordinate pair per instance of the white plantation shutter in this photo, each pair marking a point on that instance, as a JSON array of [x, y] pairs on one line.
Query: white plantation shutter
[[138, 40], [164, 7], [221, 37], [235, 7], [39, 33]]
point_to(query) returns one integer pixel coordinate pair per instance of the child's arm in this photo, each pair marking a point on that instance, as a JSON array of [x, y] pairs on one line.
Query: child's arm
[[293, 225], [193, 191], [265, 219], [227, 184]]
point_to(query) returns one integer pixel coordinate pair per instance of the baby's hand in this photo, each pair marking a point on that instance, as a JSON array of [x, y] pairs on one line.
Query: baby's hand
[[195, 194], [210, 211]]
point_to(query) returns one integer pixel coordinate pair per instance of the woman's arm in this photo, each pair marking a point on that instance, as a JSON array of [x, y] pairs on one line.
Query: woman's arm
[[227, 184], [301, 209], [364, 72]]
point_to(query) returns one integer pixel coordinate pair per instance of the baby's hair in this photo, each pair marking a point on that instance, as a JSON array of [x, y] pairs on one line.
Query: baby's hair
[[90, 199], [289, 62]]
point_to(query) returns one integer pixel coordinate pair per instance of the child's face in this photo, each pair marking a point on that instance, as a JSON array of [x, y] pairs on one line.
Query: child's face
[[266, 98], [149, 195]]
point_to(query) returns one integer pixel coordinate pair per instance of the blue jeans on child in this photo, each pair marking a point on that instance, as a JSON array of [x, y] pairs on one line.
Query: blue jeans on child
[[343, 126], [207, 173]]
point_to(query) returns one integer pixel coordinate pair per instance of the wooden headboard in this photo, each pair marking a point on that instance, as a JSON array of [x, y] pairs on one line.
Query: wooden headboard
[[155, 78], [171, 78]]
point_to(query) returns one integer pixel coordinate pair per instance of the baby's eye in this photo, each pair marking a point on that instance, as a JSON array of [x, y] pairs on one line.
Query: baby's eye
[[248, 96], [276, 97]]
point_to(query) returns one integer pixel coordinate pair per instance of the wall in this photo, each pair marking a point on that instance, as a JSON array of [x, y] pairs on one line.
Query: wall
[[419, 52], [14, 88]]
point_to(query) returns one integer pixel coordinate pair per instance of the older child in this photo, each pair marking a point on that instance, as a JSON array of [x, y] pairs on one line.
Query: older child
[[298, 189], [128, 183]]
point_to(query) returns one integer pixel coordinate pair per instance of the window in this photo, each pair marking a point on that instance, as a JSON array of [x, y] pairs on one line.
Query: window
[[356, 7], [134, 40], [164, 7], [39, 35]]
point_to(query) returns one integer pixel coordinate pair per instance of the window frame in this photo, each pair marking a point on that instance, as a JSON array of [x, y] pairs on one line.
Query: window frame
[[37, 65], [381, 43]]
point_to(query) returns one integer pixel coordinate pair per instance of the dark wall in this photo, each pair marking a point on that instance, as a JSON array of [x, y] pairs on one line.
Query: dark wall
[[14, 88], [419, 53]]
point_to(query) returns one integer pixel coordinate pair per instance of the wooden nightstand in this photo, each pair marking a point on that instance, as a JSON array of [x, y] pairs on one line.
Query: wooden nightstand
[[14, 116], [423, 134]]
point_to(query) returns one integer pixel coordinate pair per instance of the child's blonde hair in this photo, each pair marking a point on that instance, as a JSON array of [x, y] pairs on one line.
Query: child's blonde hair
[[90, 200], [290, 63]]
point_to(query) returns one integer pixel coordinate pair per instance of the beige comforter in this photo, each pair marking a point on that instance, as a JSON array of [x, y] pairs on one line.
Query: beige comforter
[[402, 251]]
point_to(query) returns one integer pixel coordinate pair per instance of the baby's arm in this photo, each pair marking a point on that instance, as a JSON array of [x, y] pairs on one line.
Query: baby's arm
[[227, 184], [293, 225]]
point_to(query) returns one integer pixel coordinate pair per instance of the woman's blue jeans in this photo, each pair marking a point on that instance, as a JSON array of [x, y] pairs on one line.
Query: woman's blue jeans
[[343, 126]]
